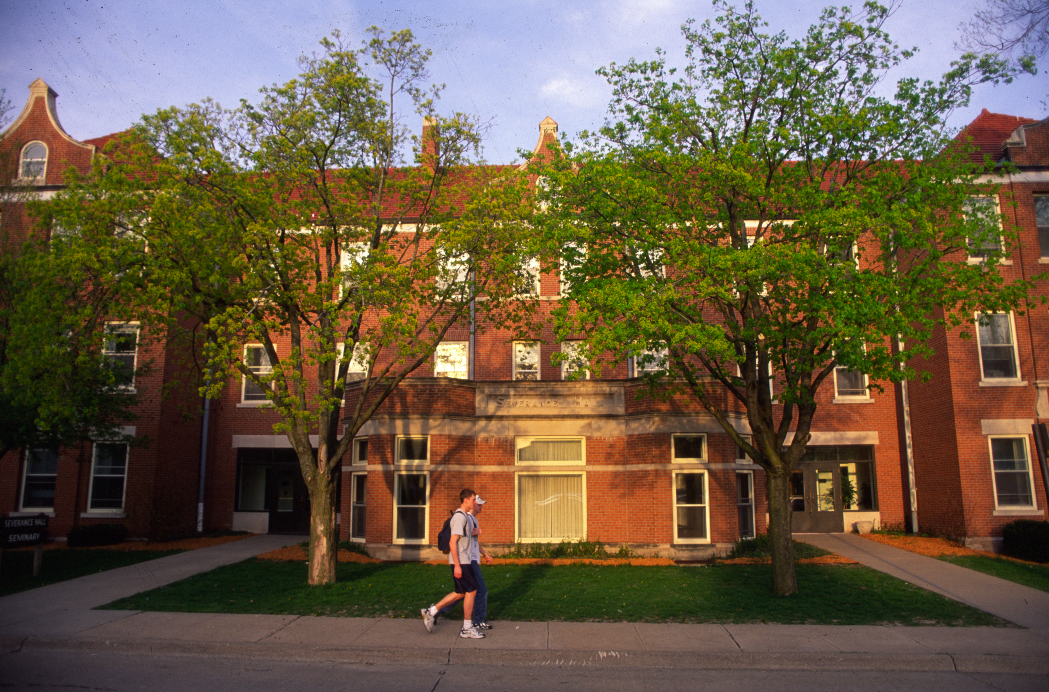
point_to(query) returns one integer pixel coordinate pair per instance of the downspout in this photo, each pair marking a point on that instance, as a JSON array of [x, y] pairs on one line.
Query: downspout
[[908, 449], [203, 460]]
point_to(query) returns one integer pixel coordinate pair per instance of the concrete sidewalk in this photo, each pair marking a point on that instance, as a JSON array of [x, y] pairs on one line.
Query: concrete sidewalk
[[1008, 600], [60, 616]]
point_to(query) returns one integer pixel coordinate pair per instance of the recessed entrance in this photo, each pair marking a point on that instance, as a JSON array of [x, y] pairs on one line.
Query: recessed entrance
[[270, 481]]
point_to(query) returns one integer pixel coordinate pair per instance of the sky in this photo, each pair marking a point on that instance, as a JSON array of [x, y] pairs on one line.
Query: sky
[[510, 62]]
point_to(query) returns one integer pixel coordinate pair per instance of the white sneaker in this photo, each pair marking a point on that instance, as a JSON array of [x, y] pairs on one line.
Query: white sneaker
[[472, 633], [427, 619]]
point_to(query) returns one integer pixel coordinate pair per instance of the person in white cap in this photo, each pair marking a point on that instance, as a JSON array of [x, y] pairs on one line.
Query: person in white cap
[[480, 614]]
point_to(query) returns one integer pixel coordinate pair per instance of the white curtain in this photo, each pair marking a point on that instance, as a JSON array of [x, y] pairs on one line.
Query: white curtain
[[551, 507]]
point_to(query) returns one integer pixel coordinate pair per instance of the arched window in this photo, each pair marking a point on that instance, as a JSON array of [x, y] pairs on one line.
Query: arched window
[[34, 160]]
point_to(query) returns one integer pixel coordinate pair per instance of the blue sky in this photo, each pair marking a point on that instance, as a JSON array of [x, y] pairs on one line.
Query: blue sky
[[511, 62]]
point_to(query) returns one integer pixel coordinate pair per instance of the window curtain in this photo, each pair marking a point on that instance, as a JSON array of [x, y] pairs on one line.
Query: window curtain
[[551, 507], [552, 451]]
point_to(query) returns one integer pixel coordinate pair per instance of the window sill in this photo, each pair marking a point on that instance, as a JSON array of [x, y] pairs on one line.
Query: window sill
[[852, 400], [103, 514], [411, 541], [47, 512], [255, 404], [1043, 260], [1003, 383], [1018, 512], [692, 541], [983, 260]]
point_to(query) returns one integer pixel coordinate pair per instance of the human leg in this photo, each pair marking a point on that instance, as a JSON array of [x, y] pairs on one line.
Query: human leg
[[480, 608]]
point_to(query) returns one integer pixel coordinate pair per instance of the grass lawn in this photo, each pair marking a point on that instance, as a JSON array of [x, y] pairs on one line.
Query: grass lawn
[[1035, 576], [60, 564], [828, 594]]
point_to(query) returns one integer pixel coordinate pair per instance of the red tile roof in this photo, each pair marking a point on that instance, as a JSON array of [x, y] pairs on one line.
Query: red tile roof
[[989, 131]]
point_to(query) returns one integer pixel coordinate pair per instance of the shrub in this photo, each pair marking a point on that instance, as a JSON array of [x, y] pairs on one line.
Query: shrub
[[759, 547], [95, 535], [594, 550], [1026, 539]]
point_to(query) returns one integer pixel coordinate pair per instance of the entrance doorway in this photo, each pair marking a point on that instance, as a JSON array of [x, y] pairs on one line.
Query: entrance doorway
[[270, 481], [815, 498]]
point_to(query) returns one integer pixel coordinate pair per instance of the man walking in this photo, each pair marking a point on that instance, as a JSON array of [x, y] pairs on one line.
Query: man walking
[[463, 577]]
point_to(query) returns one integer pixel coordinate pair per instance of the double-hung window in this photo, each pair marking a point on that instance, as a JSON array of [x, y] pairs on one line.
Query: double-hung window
[[358, 506], [850, 384], [1012, 473], [1041, 215], [411, 490], [357, 368], [528, 278], [572, 257], [526, 360], [691, 510], [108, 476], [996, 337], [574, 365], [38, 483], [120, 351], [745, 503], [452, 359], [650, 361], [351, 259], [987, 239], [551, 505], [258, 361], [453, 271]]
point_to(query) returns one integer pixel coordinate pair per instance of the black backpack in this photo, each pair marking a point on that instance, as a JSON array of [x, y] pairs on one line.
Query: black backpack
[[444, 536]]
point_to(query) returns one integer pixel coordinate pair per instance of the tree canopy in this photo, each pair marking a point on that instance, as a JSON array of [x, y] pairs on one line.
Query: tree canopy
[[306, 250], [764, 216]]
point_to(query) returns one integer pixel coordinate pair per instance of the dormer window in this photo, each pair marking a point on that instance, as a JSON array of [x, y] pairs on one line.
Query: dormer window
[[34, 161]]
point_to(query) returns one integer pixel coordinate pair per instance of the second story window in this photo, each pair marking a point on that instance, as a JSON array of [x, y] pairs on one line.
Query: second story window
[[998, 358], [33, 164], [452, 359], [526, 360], [1041, 214], [258, 361], [121, 350], [984, 210]]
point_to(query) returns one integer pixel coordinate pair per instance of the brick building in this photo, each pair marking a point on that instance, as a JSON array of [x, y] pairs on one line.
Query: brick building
[[587, 459]]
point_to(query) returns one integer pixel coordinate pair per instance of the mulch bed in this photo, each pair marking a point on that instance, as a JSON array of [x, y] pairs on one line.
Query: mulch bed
[[934, 547], [296, 553], [821, 560], [183, 544]]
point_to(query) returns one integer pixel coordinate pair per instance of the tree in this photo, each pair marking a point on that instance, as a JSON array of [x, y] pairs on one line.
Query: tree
[[765, 217], [1010, 26], [293, 237]]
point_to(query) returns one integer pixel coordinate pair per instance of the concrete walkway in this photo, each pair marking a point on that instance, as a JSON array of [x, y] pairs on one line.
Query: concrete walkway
[[60, 616], [1008, 600]]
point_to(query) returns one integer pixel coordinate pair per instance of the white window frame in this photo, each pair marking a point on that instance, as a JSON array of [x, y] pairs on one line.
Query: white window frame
[[564, 267], [356, 454], [25, 478], [705, 505], [519, 504], [653, 256], [1000, 245], [984, 379], [354, 506], [519, 347], [452, 270], [411, 462], [530, 276], [1043, 228], [119, 511], [771, 379], [351, 255], [359, 362], [522, 442], [257, 369], [438, 363], [426, 512], [109, 351], [656, 366], [22, 160], [750, 480], [571, 352], [838, 396], [674, 458], [1030, 473]]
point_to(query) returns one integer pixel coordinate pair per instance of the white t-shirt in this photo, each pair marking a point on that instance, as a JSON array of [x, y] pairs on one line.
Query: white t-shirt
[[461, 527]]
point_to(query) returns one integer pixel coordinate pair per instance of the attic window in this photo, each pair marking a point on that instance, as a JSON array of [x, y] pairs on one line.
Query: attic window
[[34, 161]]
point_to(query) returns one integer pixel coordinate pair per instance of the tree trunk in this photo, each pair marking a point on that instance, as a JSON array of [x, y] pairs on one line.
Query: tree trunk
[[323, 541], [781, 539]]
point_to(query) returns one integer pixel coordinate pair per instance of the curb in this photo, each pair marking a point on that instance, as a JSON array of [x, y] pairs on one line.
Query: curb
[[968, 663]]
